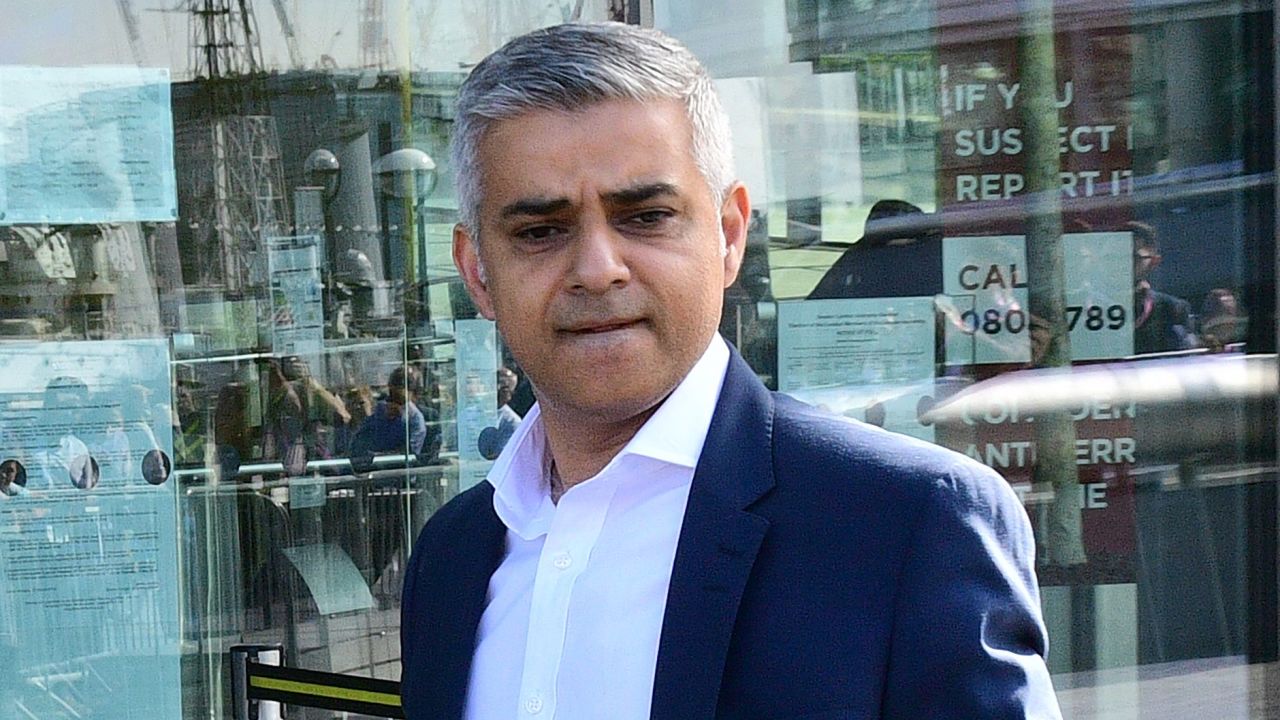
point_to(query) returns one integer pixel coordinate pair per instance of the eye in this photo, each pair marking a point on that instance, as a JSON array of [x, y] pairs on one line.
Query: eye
[[538, 234], [649, 219]]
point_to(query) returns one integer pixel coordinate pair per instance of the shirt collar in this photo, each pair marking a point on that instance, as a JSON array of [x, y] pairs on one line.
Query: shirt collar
[[675, 434], [676, 431]]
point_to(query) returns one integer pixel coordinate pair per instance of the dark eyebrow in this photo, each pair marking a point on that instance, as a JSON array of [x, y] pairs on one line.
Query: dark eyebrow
[[535, 207], [634, 195], [637, 194]]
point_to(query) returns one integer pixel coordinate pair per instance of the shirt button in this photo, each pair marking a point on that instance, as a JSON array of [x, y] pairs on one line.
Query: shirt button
[[562, 561], [533, 705]]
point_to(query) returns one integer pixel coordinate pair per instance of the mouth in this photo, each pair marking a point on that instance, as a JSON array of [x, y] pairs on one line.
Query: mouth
[[600, 327]]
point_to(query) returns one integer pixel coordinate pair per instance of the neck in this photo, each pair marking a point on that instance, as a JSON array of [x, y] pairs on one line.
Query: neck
[[581, 447]]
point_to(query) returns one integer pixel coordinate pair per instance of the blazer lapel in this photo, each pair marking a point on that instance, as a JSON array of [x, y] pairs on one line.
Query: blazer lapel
[[718, 544], [461, 578]]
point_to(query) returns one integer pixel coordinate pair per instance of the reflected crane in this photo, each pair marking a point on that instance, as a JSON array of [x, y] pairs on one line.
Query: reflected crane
[[290, 38], [130, 19], [231, 192], [375, 52]]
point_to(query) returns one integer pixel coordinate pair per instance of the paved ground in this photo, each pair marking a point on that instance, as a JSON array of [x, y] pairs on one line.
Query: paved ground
[[1215, 689]]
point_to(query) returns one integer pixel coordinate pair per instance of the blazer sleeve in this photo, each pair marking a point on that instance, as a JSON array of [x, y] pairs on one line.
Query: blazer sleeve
[[968, 638]]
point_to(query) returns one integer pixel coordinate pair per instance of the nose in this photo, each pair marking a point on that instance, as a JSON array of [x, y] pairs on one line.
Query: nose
[[598, 262]]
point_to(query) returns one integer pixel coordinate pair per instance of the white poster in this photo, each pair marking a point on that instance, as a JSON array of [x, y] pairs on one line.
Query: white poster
[[86, 145], [88, 526], [869, 359], [989, 276], [1099, 274], [297, 296]]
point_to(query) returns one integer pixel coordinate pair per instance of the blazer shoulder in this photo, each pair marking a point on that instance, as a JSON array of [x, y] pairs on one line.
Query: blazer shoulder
[[455, 515], [812, 446]]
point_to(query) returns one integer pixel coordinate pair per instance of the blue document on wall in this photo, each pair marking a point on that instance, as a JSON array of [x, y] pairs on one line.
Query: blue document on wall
[[86, 145], [297, 292], [88, 532], [870, 359]]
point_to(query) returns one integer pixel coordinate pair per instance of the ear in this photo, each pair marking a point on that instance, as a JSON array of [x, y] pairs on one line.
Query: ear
[[467, 259], [735, 219]]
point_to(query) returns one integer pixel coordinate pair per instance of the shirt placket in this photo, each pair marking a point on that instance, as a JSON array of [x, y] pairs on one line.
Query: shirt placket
[[565, 554]]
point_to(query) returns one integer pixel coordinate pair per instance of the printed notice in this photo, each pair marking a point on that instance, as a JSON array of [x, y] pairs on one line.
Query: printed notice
[[86, 145], [88, 526], [870, 359], [297, 302], [990, 273]]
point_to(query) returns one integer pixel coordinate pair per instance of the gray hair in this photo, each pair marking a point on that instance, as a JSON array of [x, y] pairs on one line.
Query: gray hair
[[571, 67]]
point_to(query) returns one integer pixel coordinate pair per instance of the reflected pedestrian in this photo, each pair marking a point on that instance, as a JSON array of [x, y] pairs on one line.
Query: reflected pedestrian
[[13, 477], [156, 467]]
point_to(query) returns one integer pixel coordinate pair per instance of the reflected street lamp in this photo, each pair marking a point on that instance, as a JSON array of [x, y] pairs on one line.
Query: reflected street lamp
[[409, 175], [323, 170]]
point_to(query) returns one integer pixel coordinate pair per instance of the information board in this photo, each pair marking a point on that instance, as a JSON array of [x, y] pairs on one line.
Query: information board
[[993, 172], [476, 345], [870, 359], [86, 145], [88, 525], [297, 296]]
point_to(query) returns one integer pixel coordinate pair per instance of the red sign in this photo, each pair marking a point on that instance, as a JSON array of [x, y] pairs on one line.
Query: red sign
[[985, 100]]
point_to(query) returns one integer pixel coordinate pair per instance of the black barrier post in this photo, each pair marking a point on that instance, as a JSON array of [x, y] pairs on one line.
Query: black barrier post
[[243, 706]]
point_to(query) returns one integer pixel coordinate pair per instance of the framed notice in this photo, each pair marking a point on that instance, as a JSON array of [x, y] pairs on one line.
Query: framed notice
[[86, 145], [88, 525], [870, 359], [297, 296], [476, 343]]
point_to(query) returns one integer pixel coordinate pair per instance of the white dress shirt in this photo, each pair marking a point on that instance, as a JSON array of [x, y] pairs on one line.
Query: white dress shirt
[[574, 612]]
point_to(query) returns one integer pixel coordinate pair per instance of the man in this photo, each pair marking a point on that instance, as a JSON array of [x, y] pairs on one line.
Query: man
[[887, 262], [508, 419], [1161, 322], [156, 467], [13, 478], [662, 537], [66, 457], [493, 439], [397, 424]]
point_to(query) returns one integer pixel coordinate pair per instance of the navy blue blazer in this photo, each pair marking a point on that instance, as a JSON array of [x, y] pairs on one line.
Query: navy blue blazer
[[825, 569]]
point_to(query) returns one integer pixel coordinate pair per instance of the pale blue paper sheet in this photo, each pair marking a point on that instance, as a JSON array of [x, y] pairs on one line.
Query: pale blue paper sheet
[[477, 371], [297, 303], [89, 575], [86, 145], [868, 359]]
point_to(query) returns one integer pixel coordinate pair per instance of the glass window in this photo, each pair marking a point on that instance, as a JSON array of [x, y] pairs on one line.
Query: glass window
[[240, 371]]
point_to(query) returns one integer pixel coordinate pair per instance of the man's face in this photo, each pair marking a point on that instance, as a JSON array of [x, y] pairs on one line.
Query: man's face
[[294, 368], [1145, 260], [601, 248], [396, 400]]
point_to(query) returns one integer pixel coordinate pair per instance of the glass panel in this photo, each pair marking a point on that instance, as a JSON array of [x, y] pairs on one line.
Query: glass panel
[[1041, 234], [225, 266]]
